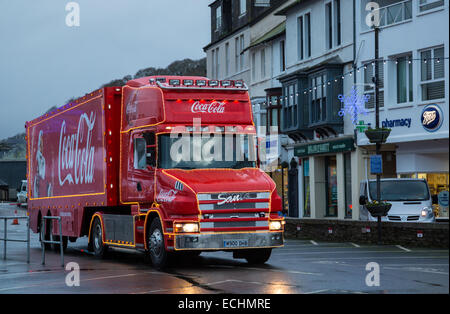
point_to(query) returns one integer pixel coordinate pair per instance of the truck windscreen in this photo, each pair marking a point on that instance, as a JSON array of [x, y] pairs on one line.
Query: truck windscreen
[[188, 151], [400, 190]]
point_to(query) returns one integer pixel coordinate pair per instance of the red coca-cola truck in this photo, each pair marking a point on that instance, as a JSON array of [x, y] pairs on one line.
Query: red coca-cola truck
[[165, 165]]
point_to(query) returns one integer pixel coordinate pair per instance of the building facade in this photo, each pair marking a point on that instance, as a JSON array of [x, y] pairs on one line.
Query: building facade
[[320, 49], [414, 101], [310, 64]]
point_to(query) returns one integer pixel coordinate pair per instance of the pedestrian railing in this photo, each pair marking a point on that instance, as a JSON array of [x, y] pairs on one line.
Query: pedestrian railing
[[43, 241], [5, 234]]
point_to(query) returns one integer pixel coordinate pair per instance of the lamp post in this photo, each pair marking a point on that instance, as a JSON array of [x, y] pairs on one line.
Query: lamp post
[[377, 119]]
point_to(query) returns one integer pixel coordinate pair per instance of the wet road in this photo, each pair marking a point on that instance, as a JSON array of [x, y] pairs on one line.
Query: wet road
[[300, 267]]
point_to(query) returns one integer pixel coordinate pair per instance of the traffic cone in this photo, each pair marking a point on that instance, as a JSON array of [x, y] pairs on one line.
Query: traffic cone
[[15, 221]]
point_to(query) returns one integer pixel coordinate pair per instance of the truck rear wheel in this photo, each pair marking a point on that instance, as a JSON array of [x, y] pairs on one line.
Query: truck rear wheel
[[258, 256], [100, 249], [156, 246]]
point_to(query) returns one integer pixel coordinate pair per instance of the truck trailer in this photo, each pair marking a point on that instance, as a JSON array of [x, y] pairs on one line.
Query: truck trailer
[[164, 165]]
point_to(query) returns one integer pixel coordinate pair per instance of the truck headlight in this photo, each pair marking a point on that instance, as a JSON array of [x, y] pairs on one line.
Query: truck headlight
[[189, 227], [276, 225]]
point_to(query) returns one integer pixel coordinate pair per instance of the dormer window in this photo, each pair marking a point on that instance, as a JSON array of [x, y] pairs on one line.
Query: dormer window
[[218, 18], [242, 7]]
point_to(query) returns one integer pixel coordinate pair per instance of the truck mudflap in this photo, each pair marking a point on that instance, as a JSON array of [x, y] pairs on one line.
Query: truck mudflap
[[228, 241]]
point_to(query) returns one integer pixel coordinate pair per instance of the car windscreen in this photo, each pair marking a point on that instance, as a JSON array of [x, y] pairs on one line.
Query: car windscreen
[[400, 190]]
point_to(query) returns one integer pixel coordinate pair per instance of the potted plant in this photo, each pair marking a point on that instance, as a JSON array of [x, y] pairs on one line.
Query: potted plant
[[378, 209], [378, 135]]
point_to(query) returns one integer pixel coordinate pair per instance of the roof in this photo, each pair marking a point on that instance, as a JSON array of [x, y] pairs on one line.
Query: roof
[[275, 32], [285, 10]]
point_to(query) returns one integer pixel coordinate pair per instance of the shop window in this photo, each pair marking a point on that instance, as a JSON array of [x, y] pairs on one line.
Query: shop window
[[348, 185], [306, 189], [331, 187]]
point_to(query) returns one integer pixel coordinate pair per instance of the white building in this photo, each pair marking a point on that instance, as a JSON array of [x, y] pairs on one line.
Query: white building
[[414, 49], [319, 50]]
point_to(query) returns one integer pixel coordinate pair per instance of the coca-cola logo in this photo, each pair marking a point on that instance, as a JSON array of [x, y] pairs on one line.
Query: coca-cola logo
[[76, 152], [214, 107], [166, 196]]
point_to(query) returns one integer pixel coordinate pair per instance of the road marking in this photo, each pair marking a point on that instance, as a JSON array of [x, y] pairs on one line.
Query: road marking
[[354, 244], [403, 248], [418, 269], [314, 242]]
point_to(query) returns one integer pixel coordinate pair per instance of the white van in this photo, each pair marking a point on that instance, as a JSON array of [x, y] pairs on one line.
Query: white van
[[22, 196], [410, 198]]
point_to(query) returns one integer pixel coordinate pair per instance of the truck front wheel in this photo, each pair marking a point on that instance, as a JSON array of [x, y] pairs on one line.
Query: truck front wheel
[[258, 256], [156, 247]]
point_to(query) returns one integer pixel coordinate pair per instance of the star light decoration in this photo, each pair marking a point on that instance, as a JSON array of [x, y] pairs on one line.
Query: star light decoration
[[353, 104]]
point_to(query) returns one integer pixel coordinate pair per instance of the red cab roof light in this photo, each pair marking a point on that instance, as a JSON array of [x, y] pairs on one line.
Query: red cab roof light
[[213, 83]]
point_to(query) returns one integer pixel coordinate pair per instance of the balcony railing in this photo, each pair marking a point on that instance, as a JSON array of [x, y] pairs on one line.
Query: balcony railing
[[393, 14]]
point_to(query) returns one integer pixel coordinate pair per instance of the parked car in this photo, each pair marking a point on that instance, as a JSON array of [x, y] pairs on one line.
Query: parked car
[[22, 195], [410, 198]]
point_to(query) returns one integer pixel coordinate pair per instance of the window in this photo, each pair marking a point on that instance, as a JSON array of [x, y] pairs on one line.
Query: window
[[306, 189], [213, 63], [290, 110], [217, 63], [308, 34], [333, 23], [242, 7], [331, 186], [369, 86], [329, 25], [241, 55], [262, 3], [348, 184], [263, 63], [219, 18], [282, 56], [301, 40], [432, 74], [227, 59], [253, 65], [144, 151], [425, 5], [237, 54], [404, 79], [273, 112], [390, 12], [318, 103], [337, 21]]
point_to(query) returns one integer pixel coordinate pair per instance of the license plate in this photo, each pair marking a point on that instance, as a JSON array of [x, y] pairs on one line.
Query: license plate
[[235, 243]]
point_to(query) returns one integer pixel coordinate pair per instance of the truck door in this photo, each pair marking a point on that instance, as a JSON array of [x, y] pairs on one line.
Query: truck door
[[142, 174]]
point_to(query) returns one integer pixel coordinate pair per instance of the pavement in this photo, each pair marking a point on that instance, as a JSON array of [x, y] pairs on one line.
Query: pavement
[[301, 267]]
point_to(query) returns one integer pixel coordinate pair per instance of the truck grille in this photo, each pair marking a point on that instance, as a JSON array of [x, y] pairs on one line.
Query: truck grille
[[221, 211]]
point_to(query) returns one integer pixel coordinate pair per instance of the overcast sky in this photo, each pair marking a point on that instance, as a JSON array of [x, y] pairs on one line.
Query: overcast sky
[[43, 62]]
